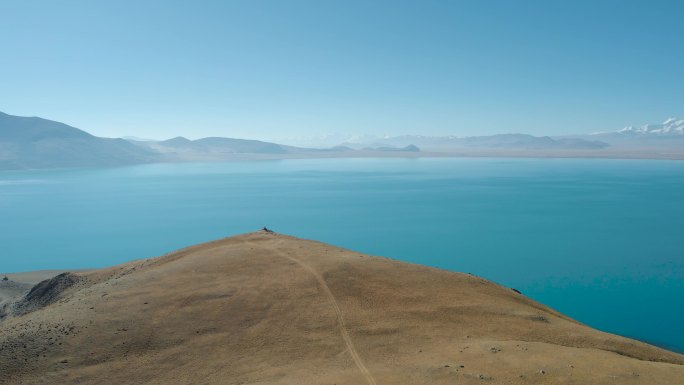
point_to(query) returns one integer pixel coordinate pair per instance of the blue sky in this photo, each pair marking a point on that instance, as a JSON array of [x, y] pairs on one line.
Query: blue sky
[[282, 69]]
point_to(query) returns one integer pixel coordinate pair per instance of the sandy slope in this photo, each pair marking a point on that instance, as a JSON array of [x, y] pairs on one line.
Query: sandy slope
[[271, 309]]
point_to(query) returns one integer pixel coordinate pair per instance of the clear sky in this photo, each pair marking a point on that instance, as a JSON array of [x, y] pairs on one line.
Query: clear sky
[[281, 69]]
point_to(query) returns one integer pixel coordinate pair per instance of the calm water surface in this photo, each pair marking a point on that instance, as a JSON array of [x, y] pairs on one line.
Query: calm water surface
[[599, 240]]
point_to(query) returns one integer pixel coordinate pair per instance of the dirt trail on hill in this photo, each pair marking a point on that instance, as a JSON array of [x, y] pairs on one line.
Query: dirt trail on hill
[[340, 318]]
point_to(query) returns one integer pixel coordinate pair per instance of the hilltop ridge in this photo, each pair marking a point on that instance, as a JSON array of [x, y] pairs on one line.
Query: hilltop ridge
[[269, 308]]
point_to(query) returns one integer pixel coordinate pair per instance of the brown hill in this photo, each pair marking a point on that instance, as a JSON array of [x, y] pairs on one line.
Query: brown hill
[[265, 308]]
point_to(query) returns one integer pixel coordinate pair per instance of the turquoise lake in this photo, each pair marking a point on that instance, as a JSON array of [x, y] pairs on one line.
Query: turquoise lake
[[599, 240]]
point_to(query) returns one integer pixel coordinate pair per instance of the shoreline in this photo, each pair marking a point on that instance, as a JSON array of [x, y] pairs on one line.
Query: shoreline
[[420, 155]]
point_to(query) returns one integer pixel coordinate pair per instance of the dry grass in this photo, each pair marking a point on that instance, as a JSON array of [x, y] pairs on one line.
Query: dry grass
[[271, 309]]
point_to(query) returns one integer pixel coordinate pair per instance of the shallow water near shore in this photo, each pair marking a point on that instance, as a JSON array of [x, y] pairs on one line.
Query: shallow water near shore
[[599, 240]]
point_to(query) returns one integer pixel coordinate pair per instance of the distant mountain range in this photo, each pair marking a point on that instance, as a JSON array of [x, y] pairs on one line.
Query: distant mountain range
[[33, 143], [501, 141]]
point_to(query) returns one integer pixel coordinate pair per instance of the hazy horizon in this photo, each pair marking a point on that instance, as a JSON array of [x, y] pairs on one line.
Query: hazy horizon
[[303, 69], [327, 140]]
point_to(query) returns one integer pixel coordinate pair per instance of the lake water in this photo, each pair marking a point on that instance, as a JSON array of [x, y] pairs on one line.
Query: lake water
[[599, 240]]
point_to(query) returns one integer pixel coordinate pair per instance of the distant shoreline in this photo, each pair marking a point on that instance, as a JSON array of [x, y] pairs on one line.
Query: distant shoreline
[[395, 155]]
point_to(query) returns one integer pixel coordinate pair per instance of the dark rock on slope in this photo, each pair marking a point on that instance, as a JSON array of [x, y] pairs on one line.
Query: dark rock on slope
[[44, 293]]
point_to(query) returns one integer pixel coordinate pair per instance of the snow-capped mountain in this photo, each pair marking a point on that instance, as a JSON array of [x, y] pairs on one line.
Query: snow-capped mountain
[[670, 127]]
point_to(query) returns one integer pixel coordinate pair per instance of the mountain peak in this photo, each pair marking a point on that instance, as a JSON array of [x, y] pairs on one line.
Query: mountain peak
[[179, 139], [31, 129], [33, 142]]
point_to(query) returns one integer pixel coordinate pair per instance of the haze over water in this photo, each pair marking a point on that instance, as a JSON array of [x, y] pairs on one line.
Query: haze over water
[[599, 240]]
